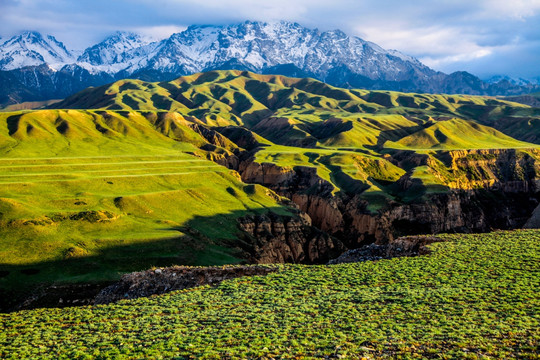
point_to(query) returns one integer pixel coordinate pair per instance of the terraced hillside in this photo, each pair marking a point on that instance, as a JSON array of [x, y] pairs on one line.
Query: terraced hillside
[[473, 297], [85, 196]]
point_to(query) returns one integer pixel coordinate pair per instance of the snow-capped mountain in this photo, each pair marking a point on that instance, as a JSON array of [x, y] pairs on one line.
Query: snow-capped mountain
[[512, 80], [116, 53], [32, 49], [258, 47], [37, 68]]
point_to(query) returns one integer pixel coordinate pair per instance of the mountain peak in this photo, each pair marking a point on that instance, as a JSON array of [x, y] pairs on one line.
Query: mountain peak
[[511, 80], [31, 34], [31, 48], [280, 47], [115, 49]]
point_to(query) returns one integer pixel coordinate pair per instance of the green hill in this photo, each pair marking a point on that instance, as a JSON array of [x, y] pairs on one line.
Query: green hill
[[292, 117], [126, 176], [457, 134], [300, 107], [76, 185]]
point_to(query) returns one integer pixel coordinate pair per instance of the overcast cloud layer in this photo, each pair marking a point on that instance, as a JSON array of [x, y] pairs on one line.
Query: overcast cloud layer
[[484, 37]]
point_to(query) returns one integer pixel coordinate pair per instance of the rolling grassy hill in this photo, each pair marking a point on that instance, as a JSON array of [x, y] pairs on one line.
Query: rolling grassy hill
[[306, 110], [85, 195], [474, 297], [119, 178], [457, 134], [290, 115]]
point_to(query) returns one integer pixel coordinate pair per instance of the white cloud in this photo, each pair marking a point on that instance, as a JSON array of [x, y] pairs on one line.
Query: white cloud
[[443, 62], [158, 32], [517, 9]]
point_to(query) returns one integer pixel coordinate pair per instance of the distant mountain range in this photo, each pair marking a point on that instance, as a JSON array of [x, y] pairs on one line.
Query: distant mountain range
[[35, 67]]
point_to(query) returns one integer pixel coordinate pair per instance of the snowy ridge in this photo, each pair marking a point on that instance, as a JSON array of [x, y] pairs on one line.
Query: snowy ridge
[[32, 49], [253, 45], [512, 80], [40, 67], [116, 53]]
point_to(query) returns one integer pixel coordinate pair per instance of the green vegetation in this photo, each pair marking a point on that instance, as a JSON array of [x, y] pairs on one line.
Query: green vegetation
[[88, 195], [307, 112], [457, 134], [127, 183], [346, 134], [474, 297]]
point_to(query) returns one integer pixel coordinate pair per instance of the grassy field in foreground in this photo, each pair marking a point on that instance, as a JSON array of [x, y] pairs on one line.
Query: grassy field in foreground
[[474, 297]]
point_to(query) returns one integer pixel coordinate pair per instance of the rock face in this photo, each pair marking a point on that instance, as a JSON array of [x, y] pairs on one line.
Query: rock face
[[31, 49], [285, 239], [403, 246], [163, 280], [488, 189], [534, 220]]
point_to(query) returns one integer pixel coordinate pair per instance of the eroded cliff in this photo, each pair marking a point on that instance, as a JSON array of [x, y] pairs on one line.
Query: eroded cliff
[[465, 191]]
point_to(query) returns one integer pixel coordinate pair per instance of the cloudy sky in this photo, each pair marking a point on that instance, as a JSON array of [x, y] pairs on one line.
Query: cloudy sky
[[484, 37]]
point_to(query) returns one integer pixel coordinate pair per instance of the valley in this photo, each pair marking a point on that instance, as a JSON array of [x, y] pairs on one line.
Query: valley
[[232, 167]]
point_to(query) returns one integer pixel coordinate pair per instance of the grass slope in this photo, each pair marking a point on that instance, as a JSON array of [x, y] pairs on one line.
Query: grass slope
[[475, 296], [304, 122], [85, 195], [457, 134], [344, 133], [129, 174], [305, 107]]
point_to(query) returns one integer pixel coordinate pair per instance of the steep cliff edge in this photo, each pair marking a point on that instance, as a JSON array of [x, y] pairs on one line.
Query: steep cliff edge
[[286, 239], [459, 191]]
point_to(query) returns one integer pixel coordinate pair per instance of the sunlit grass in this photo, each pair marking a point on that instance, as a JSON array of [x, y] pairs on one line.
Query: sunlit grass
[[474, 297]]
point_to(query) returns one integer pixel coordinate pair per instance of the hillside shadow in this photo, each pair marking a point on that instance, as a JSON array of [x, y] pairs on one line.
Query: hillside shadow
[[13, 123], [202, 241], [396, 135]]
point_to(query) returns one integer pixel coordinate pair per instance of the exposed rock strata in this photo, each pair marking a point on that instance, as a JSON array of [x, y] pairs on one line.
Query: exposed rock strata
[[285, 239], [163, 280], [403, 246], [484, 190], [534, 221]]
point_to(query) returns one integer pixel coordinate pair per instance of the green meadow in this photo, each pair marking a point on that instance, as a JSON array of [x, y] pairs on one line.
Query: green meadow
[[86, 196], [474, 297]]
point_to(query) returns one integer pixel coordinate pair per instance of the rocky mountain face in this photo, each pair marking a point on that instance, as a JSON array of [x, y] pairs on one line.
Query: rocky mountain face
[[274, 48], [43, 83], [513, 80], [278, 239], [503, 196], [116, 54]]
